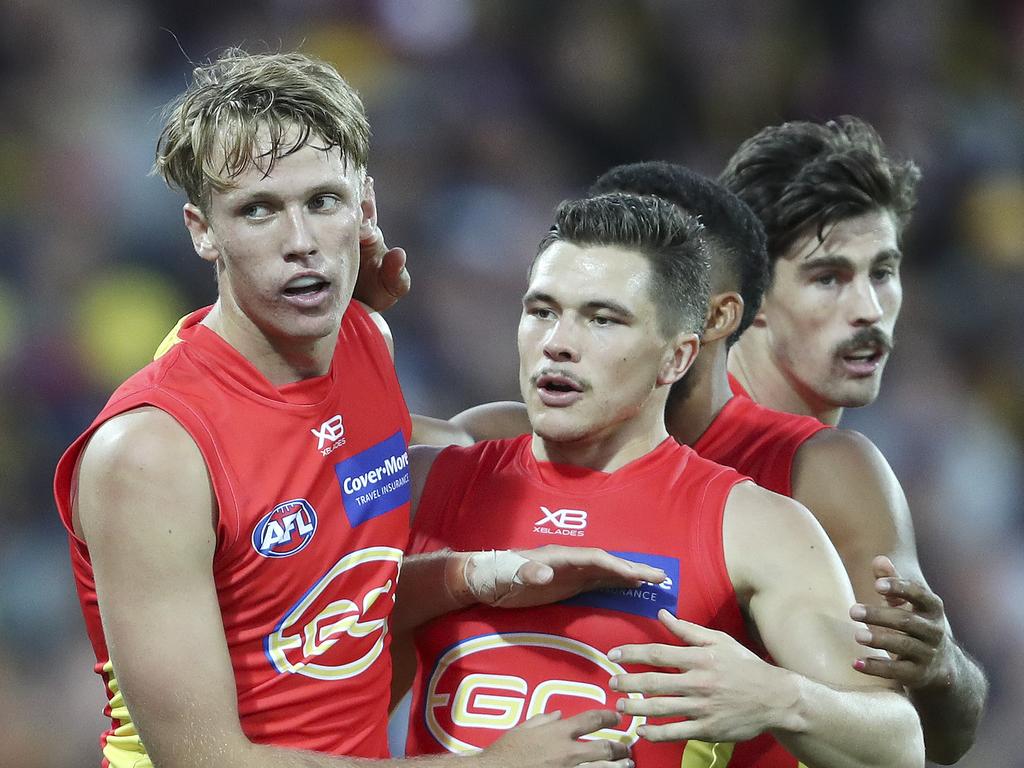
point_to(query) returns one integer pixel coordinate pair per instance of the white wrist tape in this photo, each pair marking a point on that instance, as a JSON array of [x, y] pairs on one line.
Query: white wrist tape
[[492, 575]]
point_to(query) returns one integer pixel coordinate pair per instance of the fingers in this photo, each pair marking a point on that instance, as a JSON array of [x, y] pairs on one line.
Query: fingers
[[602, 752], [662, 706], [899, 643], [655, 683], [533, 573], [601, 565], [623, 763], [656, 655], [394, 275], [930, 630], [903, 671], [686, 730], [590, 721], [544, 718], [688, 632], [883, 566], [913, 592]]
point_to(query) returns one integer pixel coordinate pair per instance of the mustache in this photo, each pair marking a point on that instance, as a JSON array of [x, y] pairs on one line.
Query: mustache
[[581, 383], [872, 336]]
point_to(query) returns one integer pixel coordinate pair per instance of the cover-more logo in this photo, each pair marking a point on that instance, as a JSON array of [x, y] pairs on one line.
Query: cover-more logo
[[561, 522], [331, 435]]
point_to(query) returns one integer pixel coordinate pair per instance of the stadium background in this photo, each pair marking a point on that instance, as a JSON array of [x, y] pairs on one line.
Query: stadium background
[[485, 115]]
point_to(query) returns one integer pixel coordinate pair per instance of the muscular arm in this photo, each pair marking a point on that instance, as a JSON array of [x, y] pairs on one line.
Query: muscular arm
[[491, 421], [797, 595], [848, 485]]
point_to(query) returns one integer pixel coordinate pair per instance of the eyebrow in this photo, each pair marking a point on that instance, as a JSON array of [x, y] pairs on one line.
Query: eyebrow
[[596, 304], [838, 261], [252, 196]]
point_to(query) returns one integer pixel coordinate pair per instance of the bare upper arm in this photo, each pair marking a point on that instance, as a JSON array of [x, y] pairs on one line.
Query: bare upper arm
[[146, 511], [852, 491], [792, 586], [421, 460], [490, 421]]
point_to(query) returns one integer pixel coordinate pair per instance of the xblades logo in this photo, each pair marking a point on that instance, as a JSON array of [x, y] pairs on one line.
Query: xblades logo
[[331, 434], [566, 522]]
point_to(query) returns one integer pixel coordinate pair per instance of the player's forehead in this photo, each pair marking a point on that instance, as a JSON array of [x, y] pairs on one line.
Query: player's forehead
[[579, 274], [859, 240], [309, 169], [292, 155]]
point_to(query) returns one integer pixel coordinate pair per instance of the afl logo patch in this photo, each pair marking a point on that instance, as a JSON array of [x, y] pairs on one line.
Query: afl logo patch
[[285, 530]]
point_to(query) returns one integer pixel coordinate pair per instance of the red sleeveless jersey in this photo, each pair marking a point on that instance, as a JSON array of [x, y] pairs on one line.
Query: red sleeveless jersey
[[757, 441], [484, 670], [762, 444], [312, 490]]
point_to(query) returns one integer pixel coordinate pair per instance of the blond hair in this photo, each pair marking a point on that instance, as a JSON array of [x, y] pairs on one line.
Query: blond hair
[[245, 110]]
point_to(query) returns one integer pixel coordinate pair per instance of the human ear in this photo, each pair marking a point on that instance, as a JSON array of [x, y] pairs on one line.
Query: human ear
[[725, 313], [203, 240], [368, 207], [679, 358]]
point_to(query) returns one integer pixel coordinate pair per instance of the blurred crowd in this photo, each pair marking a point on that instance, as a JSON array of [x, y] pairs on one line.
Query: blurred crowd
[[485, 115]]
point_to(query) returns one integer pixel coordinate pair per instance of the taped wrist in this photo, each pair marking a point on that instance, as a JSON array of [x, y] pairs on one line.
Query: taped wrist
[[491, 576]]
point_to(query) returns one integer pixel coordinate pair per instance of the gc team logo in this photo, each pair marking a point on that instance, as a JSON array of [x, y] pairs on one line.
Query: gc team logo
[[468, 705], [337, 630], [285, 530]]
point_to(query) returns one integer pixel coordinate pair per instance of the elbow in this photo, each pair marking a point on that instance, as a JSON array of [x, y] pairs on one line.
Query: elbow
[[913, 752], [949, 749]]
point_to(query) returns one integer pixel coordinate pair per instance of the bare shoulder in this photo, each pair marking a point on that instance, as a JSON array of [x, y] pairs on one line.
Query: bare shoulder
[[754, 510], [842, 477], [762, 532], [845, 453], [133, 462]]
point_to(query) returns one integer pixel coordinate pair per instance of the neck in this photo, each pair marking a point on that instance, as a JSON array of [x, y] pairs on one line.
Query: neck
[[689, 414], [752, 364], [281, 361], [606, 452]]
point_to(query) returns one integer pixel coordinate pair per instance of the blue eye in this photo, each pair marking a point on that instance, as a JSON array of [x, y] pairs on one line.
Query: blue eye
[[324, 203], [256, 211]]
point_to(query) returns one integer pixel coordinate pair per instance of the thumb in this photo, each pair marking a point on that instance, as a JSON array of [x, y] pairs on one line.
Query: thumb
[[687, 631], [883, 567], [535, 574]]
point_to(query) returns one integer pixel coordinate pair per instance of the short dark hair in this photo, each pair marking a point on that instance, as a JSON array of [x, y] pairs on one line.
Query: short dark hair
[[734, 235], [802, 174], [664, 234]]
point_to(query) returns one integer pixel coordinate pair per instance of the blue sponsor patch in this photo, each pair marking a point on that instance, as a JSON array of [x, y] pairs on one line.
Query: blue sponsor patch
[[375, 481], [645, 600]]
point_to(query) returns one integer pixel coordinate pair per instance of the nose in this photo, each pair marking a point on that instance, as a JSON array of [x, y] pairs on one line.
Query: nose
[[866, 309], [299, 241], [560, 344]]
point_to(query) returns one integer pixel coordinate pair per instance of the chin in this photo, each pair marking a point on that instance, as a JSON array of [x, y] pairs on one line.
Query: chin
[[557, 429], [855, 395]]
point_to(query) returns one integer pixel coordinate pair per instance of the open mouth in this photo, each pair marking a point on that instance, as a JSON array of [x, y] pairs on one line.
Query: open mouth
[[868, 355], [553, 383], [305, 286], [558, 391], [863, 361]]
